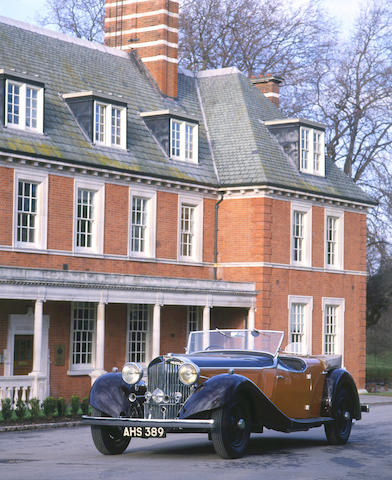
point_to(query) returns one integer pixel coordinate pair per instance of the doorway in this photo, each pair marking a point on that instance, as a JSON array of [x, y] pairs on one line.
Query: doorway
[[23, 354]]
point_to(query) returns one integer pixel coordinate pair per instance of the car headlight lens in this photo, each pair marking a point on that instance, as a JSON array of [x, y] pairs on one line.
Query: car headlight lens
[[158, 396], [188, 373], [132, 373]]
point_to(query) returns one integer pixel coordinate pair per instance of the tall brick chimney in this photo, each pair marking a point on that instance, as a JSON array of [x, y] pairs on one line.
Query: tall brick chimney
[[269, 85], [151, 28]]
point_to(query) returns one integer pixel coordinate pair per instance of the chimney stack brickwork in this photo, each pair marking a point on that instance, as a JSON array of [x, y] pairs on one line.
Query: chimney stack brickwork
[[269, 85], [150, 27]]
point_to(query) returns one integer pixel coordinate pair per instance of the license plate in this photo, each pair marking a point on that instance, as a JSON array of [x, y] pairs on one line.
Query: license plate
[[144, 432]]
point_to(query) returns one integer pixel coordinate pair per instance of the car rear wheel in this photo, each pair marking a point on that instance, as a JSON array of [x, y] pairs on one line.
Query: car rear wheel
[[108, 440], [231, 433], [338, 432]]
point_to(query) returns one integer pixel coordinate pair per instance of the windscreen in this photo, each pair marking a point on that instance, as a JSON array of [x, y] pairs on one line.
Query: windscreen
[[267, 341]]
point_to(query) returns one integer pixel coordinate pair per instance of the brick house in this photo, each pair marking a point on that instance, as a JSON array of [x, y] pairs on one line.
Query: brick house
[[139, 202]]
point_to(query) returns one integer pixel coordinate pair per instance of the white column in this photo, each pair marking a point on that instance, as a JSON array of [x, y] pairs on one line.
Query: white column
[[99, 344], [100, 348], [251, 319], [36, 387], [251, 326], [156, 331], [37, 351], [206, 326]]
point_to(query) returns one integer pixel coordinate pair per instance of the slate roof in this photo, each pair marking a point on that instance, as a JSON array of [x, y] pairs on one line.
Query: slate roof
[[238, 150]]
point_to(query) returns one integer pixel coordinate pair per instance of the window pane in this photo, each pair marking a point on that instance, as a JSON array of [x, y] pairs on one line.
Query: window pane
[[116, 126], [100, 123], [85, 220], [27, 211], [175, 139], [138, 331], [13, 103], [297, 333], [187, 230], [330, 323], [31, 107], [188, 142], [83, 328], [298, 236], [317, 151], [139, 224], [331, 240], [304, 149]]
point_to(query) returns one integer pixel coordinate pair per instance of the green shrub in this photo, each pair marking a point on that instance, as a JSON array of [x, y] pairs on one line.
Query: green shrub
[[75, 404], [6, 409], [20, 410], [85, 406], [34, 408], [49, 406], [61, 407]]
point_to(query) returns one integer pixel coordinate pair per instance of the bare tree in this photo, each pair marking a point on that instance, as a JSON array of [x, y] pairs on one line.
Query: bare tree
[[257, 36], [82, 18]]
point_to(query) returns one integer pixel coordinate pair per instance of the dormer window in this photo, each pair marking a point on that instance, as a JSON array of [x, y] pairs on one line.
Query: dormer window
[[303, 141], [312, 151], [183, 140], [24, 106], [109, 125], [177, 135], [103, 119]]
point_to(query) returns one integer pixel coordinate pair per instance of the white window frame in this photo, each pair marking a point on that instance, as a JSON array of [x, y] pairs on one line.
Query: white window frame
[[194, 315], [22, 106], [339, 241], [310, 164], [148, 342], [98, 227], [107, 141], [340, 305], [197, 203], [183, 153], [306, 210], [150, 241], [82, 368], [307, 302], [41, 180]]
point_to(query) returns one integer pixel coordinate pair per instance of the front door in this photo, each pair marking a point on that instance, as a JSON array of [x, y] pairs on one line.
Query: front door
[[23, 354]]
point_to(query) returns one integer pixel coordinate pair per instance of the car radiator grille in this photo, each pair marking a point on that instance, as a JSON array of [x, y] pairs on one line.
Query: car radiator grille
[[164, 375]]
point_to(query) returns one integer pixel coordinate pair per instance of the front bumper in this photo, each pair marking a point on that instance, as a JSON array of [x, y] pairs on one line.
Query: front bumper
[[170, 424]]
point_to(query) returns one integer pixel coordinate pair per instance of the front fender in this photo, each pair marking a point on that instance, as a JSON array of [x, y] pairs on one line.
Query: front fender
[[109, 394], [337, 379], [221, 389]]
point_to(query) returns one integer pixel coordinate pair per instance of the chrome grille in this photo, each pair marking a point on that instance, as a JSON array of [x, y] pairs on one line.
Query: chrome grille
[[164, 375]]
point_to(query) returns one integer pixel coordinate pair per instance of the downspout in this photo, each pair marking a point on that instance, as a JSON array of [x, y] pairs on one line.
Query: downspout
[[216, 235]]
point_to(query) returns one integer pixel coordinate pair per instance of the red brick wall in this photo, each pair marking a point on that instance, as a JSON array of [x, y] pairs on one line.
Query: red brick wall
[[173, 329], [167, 218], [60, 212], [115, 336], [318, 237], [116, 229], [6, 205]]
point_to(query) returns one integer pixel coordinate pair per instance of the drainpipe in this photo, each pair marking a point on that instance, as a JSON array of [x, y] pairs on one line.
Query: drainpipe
[[216, 235]]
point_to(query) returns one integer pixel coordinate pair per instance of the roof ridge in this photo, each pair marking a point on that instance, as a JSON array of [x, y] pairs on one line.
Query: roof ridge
[[63, 37]]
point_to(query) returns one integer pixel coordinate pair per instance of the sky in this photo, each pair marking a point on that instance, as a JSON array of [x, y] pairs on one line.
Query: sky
[[27, 10]]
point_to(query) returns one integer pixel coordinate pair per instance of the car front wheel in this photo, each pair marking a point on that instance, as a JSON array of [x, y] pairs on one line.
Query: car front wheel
[[108, 440], [231, 432], [338, 432]]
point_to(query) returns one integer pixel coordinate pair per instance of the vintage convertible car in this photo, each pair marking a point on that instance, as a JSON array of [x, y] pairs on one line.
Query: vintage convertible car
[[229, 383]]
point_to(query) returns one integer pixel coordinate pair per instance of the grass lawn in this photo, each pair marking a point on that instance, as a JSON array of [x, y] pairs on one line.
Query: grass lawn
[[379, 367]]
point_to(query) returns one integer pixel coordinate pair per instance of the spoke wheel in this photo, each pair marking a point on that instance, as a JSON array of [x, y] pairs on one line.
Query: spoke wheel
[[339, 431], [231, 433], [108, 440]]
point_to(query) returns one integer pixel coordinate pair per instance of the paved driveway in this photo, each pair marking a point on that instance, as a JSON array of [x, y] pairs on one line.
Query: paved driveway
[[68, 454]]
